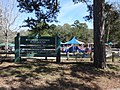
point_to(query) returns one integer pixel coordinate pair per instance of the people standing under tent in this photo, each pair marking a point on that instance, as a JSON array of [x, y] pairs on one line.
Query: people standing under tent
[[67, 51], [63, 47], [85, 51]]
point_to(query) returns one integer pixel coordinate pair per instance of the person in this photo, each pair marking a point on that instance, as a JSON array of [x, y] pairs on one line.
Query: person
[[67, 51], [85, 51]]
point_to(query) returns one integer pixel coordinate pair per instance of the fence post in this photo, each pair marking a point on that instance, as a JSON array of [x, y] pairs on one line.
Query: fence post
[[57, 41], [17, 48], [113, 55], [119, 52]]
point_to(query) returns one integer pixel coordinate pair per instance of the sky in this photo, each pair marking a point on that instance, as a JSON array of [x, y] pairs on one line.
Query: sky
[[69, 12]]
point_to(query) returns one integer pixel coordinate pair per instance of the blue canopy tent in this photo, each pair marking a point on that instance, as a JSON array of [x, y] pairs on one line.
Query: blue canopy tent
[[110, 43], [74, 41]]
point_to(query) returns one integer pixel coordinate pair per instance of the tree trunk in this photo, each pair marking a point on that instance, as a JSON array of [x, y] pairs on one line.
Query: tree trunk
[[6, 43], [99, 44], [108, 32]]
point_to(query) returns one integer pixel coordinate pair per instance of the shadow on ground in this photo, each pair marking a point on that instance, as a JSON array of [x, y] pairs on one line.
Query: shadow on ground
[[52, 76]]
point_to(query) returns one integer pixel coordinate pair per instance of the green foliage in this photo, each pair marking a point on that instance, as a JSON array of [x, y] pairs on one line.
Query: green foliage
[[40, 28], [66, 32], [44, 10], [112, 22], [115, 32], [81, 29]]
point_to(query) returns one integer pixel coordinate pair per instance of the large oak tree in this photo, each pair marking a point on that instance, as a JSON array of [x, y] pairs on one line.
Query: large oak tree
[[99, 33]]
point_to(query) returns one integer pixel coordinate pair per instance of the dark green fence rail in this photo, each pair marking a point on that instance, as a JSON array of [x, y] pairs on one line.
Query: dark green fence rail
[[46, 46]]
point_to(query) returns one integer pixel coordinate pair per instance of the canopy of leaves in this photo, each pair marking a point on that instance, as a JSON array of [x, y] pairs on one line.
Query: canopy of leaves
[[44, 10], [67, 31], [112, 22]]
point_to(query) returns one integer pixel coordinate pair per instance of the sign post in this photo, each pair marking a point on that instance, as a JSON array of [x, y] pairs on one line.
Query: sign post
[[17, 48], [57, 49]]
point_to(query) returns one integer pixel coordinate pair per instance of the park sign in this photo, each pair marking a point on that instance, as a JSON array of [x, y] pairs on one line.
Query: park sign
[[37, 46]]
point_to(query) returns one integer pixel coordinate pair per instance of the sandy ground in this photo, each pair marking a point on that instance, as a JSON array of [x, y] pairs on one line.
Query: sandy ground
[[38, 74]]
